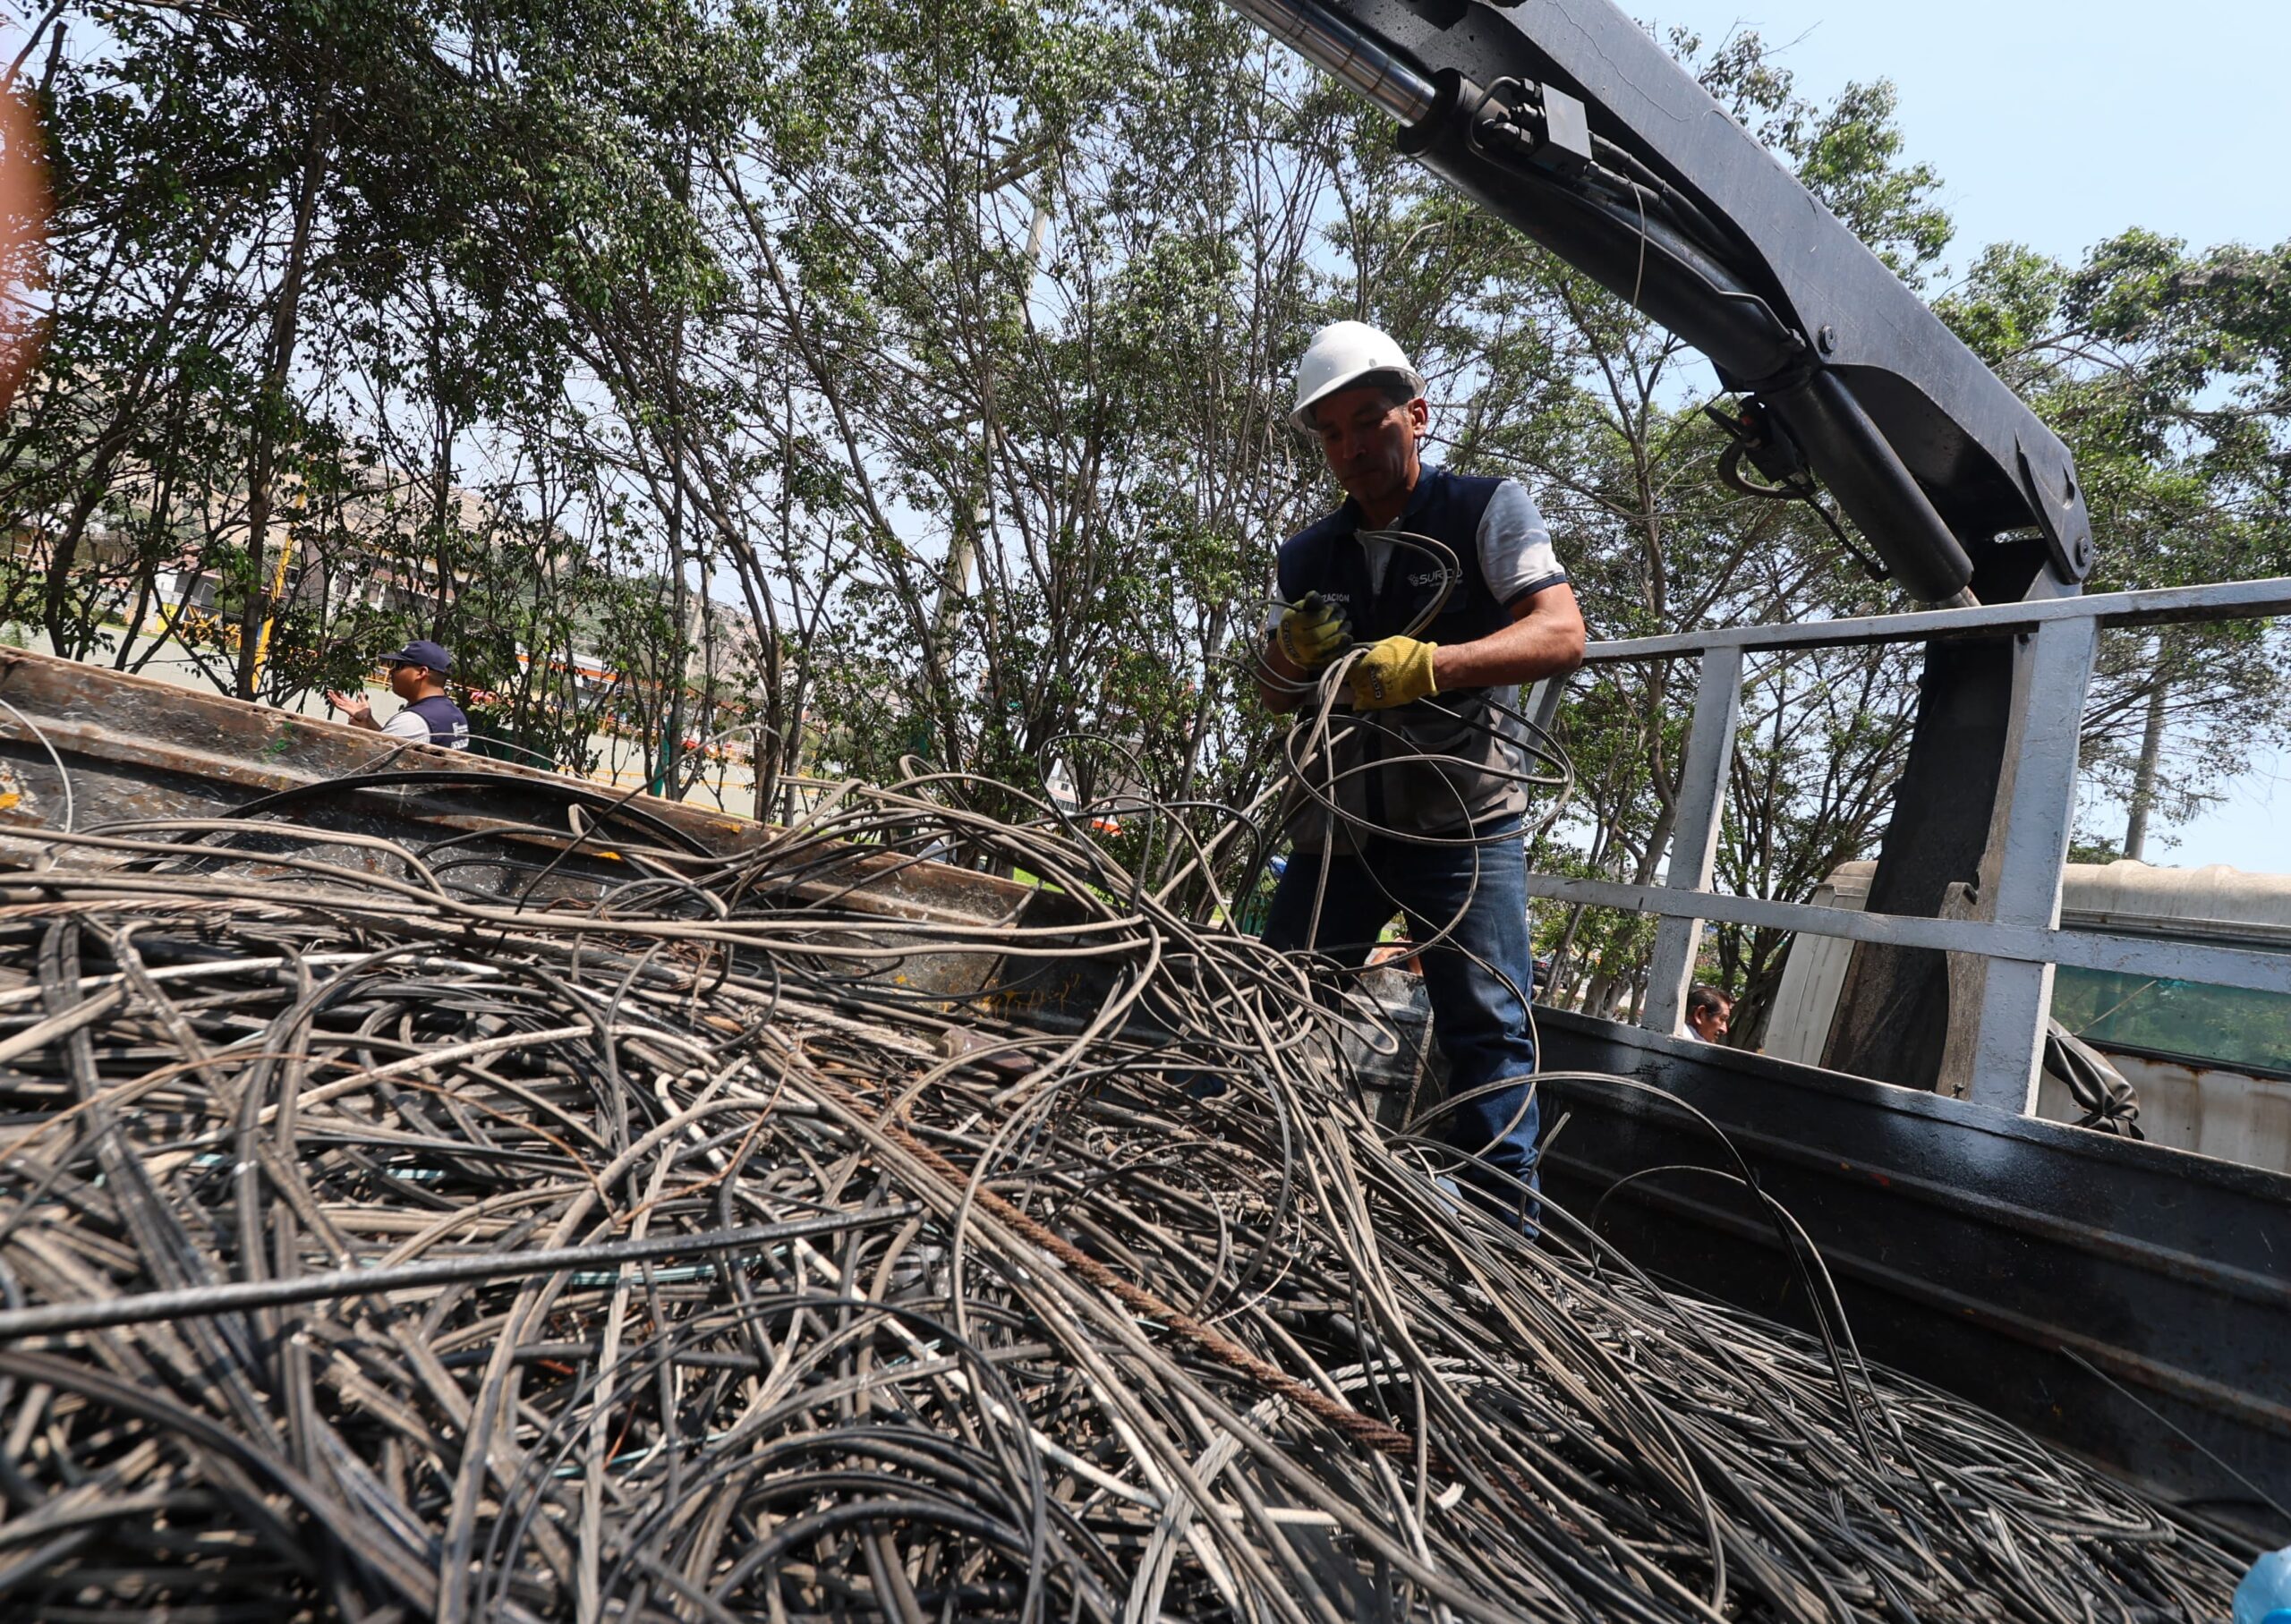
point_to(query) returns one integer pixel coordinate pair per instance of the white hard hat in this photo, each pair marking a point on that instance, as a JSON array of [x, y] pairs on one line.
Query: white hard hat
[[1340, 356]]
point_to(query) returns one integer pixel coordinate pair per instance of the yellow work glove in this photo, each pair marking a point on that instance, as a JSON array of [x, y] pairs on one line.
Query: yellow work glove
[[1397, 671], [1311, 632]]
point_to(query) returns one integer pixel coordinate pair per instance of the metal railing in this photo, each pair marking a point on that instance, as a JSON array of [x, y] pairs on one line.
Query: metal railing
[[2019, 936]]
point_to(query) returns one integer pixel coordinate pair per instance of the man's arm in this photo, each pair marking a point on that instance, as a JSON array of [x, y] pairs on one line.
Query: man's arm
[[1279, 700], [1545, 639], [357, 711]]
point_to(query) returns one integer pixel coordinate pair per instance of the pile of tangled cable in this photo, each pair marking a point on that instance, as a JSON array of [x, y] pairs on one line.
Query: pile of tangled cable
[[632, 1234]]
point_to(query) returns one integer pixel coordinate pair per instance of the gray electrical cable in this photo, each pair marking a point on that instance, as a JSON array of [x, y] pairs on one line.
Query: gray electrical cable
[[1097, 1292]]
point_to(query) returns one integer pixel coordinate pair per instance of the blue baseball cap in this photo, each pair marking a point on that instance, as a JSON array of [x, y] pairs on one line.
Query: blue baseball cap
[[422, 653]]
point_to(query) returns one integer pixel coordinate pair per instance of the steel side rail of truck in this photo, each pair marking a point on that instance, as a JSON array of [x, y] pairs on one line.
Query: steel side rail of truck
[[2209, 1068], [2131, 1299]]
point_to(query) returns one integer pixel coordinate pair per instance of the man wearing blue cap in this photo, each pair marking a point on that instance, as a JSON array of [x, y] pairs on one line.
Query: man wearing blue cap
[[418, 676]]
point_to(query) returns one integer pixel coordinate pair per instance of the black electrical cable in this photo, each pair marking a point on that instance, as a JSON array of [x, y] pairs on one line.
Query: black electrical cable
[[1802, 489]]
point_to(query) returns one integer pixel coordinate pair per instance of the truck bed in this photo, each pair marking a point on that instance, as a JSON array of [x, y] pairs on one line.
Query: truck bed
[[2129, 1301]]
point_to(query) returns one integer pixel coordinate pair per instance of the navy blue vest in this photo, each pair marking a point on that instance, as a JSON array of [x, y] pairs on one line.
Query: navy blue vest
[[448, 724], [1480, 756], [1327, 558]]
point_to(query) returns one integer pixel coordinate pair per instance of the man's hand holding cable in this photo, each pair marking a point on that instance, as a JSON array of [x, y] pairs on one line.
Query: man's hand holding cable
[[1311, 633], [1397, 671]]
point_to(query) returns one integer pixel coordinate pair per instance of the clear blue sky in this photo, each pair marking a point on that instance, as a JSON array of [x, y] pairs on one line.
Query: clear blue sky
[[2058, 123], [2055, 122]]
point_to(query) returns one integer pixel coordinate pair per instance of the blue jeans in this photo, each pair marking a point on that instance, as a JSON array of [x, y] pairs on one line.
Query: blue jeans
[[1481, 1025]]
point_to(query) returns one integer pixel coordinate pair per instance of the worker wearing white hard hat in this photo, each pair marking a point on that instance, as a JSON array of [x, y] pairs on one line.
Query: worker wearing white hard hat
[[1434, 595], [1344, 355]]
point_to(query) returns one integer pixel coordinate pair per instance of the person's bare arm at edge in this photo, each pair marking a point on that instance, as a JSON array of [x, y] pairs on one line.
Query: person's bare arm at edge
[[1545, 639]]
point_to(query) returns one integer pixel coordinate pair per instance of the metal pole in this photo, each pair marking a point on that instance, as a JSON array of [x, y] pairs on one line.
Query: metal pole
[[2027, 853], [1694, 838], [1344, 54]]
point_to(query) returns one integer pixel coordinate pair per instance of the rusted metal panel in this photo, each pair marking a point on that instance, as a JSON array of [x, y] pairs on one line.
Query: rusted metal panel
[[132, 749], [2212, 1110]]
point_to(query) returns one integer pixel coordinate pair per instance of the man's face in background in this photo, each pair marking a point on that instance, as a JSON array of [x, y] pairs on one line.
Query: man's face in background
[[1710, 1025]]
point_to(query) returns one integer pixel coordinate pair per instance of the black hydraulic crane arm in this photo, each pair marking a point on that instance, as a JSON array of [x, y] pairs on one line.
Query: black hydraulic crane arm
[[1567, 120]]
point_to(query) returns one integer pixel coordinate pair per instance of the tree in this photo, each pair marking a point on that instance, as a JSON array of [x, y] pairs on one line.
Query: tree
[[2165, 372], [838, 384]]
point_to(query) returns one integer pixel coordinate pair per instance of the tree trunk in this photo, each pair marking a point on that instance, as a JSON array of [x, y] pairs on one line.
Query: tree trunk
[[2143, 784], [65, 637], [262, 465]]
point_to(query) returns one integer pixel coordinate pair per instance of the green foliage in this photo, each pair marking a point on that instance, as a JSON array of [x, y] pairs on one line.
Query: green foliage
[[2164, 372], [859, 381]]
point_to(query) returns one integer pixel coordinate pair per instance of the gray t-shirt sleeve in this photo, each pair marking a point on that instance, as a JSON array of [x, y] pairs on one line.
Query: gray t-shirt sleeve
[[408, 725], [1515, 551]]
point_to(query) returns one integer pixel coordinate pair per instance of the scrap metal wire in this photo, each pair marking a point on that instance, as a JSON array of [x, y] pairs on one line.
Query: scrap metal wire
[[528, 1227]]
